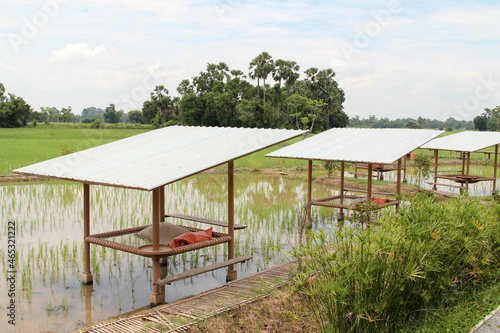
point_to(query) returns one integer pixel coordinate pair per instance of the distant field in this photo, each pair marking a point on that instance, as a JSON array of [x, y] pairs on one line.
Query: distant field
[[24, 146]]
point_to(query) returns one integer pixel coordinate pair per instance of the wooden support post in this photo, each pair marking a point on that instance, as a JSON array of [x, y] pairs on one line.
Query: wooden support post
[[468, 165], [434, 187], [369, 191], [309, 195], [369, 183], [232, 274], [404, 168], [463, 163], [355, 170], [495, 172], [398, 181], [342, 171], [163, 261], [87, 293], [156, 297], [87, 277]]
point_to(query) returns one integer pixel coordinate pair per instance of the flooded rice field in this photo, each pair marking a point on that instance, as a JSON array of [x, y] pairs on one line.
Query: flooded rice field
[[48, 221], [49, 243]]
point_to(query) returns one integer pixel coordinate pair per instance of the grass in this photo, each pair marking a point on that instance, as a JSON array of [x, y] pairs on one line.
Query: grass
[[28, 145]]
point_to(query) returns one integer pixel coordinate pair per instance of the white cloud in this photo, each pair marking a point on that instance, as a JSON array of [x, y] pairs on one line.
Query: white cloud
[[4, 67], [77, 52]]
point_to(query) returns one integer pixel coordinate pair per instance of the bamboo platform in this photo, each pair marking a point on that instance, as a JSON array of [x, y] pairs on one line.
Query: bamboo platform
[[182, 314]]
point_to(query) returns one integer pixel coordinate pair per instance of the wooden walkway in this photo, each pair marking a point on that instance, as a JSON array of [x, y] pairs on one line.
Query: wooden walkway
[[182, 314]]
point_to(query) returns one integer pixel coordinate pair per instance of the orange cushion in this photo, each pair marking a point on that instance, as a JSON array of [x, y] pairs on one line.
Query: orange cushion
[[380, 200], [192, 237]]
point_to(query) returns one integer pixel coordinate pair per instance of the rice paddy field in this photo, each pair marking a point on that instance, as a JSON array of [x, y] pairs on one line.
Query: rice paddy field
[[49, 244], [48, 219]]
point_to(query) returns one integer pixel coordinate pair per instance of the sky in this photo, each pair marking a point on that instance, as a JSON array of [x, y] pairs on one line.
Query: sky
[[392, 58]]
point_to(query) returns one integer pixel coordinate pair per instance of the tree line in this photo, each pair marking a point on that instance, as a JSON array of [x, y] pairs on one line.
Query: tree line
[[374, 122]]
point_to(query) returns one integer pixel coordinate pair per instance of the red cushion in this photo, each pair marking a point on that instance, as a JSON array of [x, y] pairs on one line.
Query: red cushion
[[192, 237], [380, 200]]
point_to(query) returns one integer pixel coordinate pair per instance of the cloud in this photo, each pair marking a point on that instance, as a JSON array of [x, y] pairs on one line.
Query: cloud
[[77, 52], [4, 67]]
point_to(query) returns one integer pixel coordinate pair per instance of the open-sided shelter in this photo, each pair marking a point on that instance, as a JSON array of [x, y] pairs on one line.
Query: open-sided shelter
[[356, 145], [466, 142], [148, 162]]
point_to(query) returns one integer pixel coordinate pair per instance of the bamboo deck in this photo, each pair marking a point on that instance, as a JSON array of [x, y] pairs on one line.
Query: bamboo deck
[[182, 314]]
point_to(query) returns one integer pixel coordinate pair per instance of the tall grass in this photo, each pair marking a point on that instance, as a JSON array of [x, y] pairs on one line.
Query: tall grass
[[385, 278]]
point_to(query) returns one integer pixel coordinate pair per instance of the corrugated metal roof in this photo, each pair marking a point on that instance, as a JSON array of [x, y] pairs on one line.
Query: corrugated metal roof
[[358, 145], [467, 141], [152, 159]]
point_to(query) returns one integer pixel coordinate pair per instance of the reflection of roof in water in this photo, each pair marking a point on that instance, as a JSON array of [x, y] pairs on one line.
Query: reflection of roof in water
[[156, 158], [467, 141], [364, 145]]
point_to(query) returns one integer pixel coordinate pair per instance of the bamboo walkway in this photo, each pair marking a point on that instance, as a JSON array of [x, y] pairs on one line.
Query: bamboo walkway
[[182, 314]]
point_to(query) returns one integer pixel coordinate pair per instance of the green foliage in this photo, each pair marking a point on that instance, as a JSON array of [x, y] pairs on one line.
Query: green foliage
[[422, 165], [96, 124], [388, 277], [111, 115], [136, 117], [14, 111], [480, 123], [331, 166], [412, 124], [67, 149]]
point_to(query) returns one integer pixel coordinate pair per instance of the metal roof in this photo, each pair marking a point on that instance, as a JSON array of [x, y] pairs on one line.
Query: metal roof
[[363, 145], [156, 158], [467, 141]]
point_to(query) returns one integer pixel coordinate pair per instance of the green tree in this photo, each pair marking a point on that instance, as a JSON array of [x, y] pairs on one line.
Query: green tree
[[422, 165], [412, 124], [136, 117], [162, 101], [262, 66], [480, 123], [2, 92], [14, 112], [111, 115], [67, 115]]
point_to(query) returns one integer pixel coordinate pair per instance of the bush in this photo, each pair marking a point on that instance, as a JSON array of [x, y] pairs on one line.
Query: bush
[[384, 278], [96, 124], [449, 129]]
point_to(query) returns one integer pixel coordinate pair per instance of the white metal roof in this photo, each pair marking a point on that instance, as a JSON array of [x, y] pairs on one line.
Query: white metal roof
[[156, 158], [467, 141], [363, 145]]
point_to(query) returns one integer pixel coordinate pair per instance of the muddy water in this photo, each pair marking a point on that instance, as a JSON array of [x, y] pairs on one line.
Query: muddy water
[[478, 189], [49, 246]]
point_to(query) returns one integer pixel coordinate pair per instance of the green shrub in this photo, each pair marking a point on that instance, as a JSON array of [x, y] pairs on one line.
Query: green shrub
[[97, 124], [383, 278]]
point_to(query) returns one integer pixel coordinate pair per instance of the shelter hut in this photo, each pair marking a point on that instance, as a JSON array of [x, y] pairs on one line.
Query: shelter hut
[[356, 145], [466, 143], [148, 162]]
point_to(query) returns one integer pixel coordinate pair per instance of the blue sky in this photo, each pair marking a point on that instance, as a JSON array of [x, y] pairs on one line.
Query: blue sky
[[393, 58]]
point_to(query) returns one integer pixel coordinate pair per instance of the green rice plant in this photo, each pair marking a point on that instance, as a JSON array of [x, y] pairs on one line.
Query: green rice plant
[[383, 278]]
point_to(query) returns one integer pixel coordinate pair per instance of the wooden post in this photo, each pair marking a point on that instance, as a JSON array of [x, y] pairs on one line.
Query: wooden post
[[341, 210], [155, 298], [463, 163], [436, 153], [355, 170], [369, 183], [398, 181], [231, 273], [468, 165], [404, 168], [87, 293], [309, 195], [162, 203], [495, 172], [87, 277]]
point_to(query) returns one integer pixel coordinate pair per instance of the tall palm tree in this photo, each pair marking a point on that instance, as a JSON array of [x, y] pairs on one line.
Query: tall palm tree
[[263, 65], [160, 97]]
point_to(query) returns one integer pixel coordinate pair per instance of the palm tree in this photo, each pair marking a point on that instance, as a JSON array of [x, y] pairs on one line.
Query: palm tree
[[161, 99], [263, 65]]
